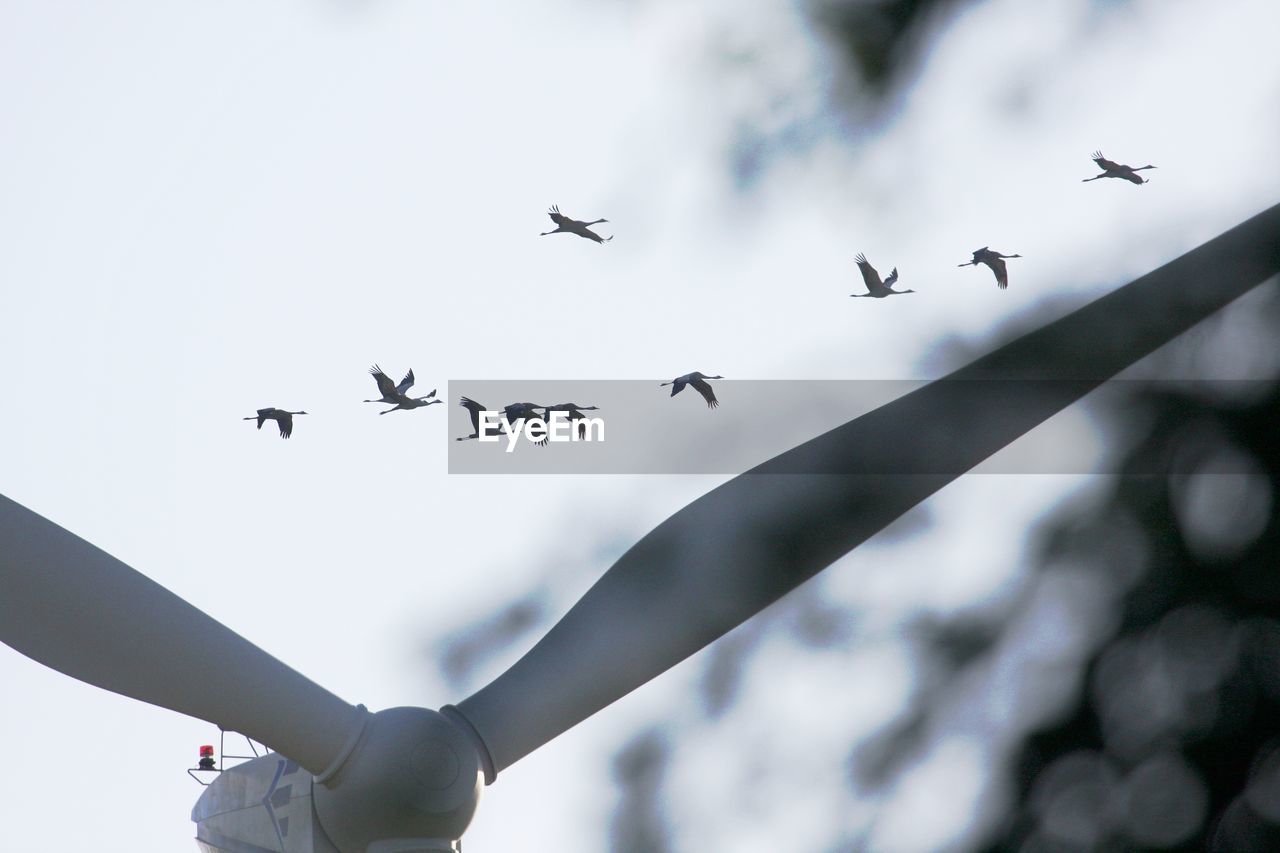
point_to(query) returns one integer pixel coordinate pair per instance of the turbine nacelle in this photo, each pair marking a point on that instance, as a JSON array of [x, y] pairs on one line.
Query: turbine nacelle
[[411, 782]]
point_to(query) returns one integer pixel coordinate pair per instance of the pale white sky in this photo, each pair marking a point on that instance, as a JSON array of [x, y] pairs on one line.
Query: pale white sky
[[210, 208]]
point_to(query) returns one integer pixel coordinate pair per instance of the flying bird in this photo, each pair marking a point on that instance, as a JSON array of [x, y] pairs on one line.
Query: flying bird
[[699, 383], [395, 396], [993, 260], [573, 226], [390, 392], [512, 414], [280, 416], [876, 288], [1117, 170], [517, 412], [405, 403], [576, 417]]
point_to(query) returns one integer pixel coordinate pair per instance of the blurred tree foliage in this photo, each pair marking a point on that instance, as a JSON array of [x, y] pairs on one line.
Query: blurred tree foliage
[[882, 39], [1173, 743]]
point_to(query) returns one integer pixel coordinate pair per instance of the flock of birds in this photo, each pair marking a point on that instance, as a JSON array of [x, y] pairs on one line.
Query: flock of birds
[[393, 395], [877, 289], [517, 412], [396, 394]]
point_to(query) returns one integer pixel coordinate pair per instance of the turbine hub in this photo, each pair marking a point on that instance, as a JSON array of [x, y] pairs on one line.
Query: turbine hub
[[412, 782]]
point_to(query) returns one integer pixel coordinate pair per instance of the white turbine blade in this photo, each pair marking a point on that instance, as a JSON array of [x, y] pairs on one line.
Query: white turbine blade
[[84, 613]]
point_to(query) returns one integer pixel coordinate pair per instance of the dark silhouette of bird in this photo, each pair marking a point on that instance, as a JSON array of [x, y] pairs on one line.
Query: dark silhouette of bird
[[395, 395], [474, 409], [517, 412], [699, 383], [993, 260], [391, 393], [1117, 170], [573, 226], [876, 288], [405, 403], [282, 418], [576, 417]]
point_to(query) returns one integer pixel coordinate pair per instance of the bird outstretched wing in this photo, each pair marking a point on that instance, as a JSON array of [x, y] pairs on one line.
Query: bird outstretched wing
[[406, 383], [869, 275], [385, 386], [1105, 164], [893, 276], [701, 386], [1002, 273], [474, 409], [557, 217]]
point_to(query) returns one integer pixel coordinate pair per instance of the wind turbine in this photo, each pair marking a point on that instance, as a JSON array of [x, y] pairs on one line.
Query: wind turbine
[[409, 779]]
